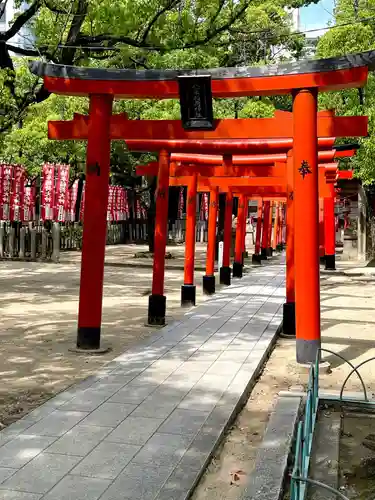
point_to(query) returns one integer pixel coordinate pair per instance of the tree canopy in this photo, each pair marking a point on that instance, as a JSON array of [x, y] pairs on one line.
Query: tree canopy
[[130, 34], [353, 31]]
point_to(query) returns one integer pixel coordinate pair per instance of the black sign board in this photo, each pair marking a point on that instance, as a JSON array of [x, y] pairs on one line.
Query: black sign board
[[196, 102]]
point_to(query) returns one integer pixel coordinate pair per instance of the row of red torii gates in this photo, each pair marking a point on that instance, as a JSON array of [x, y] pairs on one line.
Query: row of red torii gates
[[245, 176], [294, 177]]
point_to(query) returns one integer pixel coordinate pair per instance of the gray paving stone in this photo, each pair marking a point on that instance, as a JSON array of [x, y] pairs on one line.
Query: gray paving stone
[[134, 430], [203, 397], [205, 357], [87, 402], [5, 473], [224, 368], [57, 423], [39, 413], [14, 429], [179, 382], [184, 422], [77, 488], [137, 482], [238, 356], [106, 461], [18, 495], [23, 448], [134, 393], [158, 405], [80, 440], [108, 415], [163, 449], [194, 366], [41, 474]]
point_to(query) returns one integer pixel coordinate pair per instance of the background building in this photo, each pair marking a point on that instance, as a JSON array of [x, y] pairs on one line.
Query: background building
[[24, 38]]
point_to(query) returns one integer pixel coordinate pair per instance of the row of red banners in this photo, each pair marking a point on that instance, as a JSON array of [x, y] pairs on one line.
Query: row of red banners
[[203, 209], [57, 199]]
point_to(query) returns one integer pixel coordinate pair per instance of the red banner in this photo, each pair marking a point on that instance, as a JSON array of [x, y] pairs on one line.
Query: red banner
[[82, 207], [16, 201], [110, 204], [73, 193], [61, 204], [204, 207], [48, 191], [117, 203], [122, 203], [180, 209], [6, 176], [29, 202], [137, 208], [126, 203]]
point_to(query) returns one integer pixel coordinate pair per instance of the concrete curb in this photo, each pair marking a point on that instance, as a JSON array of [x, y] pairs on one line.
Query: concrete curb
[[266, 482]]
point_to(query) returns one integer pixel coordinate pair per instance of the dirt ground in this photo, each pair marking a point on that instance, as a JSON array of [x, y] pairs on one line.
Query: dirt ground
[[38, 322], [348, 317]]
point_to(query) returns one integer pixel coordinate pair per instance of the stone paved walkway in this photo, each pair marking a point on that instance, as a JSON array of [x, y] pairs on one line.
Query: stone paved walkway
[[146, 425]]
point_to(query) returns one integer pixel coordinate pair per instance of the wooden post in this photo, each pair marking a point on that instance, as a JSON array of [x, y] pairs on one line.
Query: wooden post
[[95, 223], [330, 231], [157, 300], [306, 205], [188, 289], [275, 236], [289, 308], [244, 253], [269, 240], [321, 231], [256, 256], [241, 221], [209, 278], [225, 271], [265, 229]]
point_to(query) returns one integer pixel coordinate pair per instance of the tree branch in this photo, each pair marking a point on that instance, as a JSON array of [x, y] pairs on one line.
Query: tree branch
[[56, 10], [170, 5], [67, 54], [139, 63], [21, 20], [3, 7], [213, 33], [84, 41]]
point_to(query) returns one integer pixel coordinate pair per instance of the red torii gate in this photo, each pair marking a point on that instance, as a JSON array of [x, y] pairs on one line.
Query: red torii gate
[[204, 176], [303, 79]]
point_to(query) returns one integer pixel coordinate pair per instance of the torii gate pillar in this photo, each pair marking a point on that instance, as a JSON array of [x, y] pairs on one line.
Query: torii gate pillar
[[330, 231], [209, 278], [306, 215], [265, 229], [225, 271], [95, 223], [157, 300], [289, 308], [188, 290], [256, 259], [240, 229]]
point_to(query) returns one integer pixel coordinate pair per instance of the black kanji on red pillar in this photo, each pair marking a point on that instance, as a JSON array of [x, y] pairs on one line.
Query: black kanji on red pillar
[[93, 169], [161, 193], [191, 200], [304, 169], [291, 195]]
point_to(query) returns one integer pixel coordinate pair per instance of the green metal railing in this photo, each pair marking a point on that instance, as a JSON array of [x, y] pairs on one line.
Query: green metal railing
[[305, 433], [305, 430]]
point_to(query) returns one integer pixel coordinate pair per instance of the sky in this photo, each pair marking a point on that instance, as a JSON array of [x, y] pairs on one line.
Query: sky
[[316, 16]]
